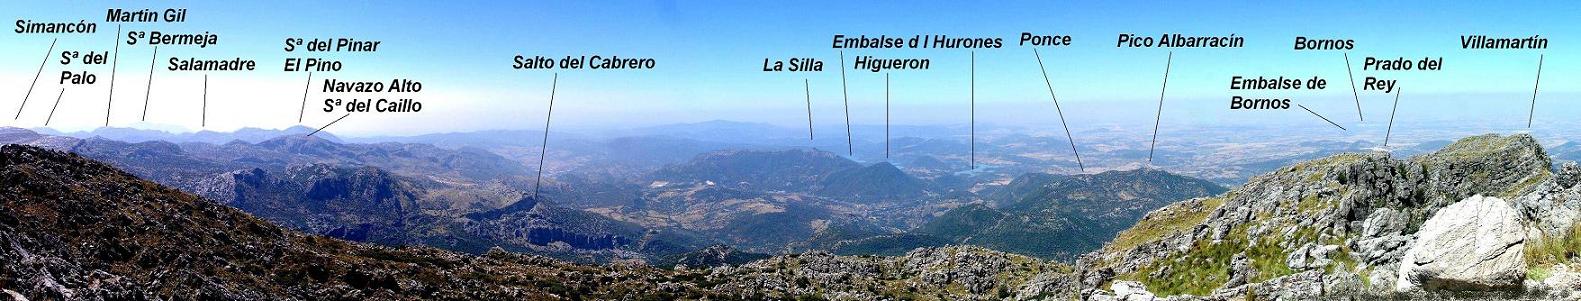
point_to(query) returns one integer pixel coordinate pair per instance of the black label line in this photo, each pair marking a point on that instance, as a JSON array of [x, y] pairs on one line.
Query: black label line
[[52, 108], [205, 120], [327, 125], [149, 90], [1353, 93], [1321, 116], [1058, 110], [1396, 109], [1168, 61], [305, 87], [1533, 111], [972, 96], [846, 96], [115, 63], [807, 87], [35, 79], [886, 115], [553, 86]]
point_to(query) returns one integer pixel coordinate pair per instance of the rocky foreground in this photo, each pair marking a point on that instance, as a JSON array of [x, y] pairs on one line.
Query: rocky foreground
[[75, 229], [1486, 217]]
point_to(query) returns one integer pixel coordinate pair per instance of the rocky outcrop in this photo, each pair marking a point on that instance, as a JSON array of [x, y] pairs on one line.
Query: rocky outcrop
[[1309, 285], [954, 272], [1563, 279], [715, 256], [1332, 225], [1554, 206], [1127, 291], [1569, 175], [1311, 256], [1475, 244]]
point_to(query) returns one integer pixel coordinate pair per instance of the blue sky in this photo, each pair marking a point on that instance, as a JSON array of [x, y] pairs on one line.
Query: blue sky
[[709, 54]]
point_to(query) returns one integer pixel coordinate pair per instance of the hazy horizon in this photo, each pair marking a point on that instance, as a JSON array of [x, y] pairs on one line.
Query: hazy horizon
[[710, 56]]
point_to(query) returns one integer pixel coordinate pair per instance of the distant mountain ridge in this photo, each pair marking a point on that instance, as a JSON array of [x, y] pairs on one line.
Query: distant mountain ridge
[[792, 169], [1049, 216], [389, 193], [250, 135], [71, 228], [797, 170]]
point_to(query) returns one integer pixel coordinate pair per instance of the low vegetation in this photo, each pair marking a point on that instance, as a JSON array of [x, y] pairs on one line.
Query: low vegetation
[[1165, 221], [1543, 254], [1208, 264]]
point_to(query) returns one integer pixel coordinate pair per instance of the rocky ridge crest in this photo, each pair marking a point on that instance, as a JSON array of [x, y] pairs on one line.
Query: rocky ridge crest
[[1340, 225]]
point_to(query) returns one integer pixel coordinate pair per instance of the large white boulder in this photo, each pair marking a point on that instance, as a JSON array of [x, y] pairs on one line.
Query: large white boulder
[[1474, 244]]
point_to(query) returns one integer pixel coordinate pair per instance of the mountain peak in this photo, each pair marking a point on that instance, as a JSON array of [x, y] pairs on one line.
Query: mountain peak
[[1503, 166], [1491, 144], [878, 181], [792, 168], [884, 165], [9, 130], [298, 129], [296, 141]]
